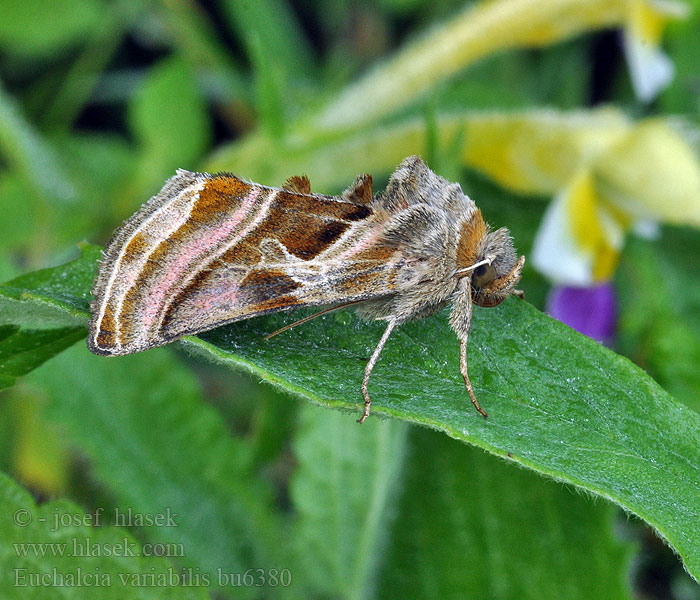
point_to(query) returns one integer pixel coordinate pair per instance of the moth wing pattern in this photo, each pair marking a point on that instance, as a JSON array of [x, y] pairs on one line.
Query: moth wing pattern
[[213, 249]]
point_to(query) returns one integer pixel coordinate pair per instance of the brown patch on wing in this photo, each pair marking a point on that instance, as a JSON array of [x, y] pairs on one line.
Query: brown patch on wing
[[320, 206], [359, 213], [311, 238], [107, 334], [470, 238], [378, 252], [220, 195], [128, 318], [305, 235], [268, 290], [136, 246], [298, 183], [241, 254]]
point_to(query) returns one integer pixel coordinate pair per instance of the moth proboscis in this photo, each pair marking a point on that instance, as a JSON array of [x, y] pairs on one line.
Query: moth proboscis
[[208, 250]]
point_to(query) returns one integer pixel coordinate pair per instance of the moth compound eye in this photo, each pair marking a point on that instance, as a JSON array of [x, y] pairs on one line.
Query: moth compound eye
[[483, 275]]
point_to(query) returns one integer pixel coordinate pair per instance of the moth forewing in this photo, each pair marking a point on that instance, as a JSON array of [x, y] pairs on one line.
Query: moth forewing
[[208, 250], [213, 249]]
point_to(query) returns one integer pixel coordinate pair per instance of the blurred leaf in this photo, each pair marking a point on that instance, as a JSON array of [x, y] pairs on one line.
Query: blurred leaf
[[168, 115], [157, 446], [23, 351], [270, 27], [277, 48], [34, 546], [560, 403], [19, 217], [561, 75], [100, 45], [25, 149], [486, 530], [36, 227], [46, 26], [343, 489], [195, 35], [40, 456], [269, 91], [660, 311], [107, 165], [683, 46]]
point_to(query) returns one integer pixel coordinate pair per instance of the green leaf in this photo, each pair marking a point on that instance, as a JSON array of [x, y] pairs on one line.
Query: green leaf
[[43, 313], [23, 351], [56, 542], [683, 45], [484, 529], [270, 27], [659, 325], [53, 297], [559, 403], [193, 31], [175, 137], [29, 153], [46, 26], [269, 92], [278, 51], [158, 447], [343, 487]]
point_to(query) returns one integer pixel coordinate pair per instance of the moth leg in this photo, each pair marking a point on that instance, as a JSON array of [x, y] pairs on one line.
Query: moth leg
[[461, 321], [465, 375], [519, 293], [370, 366]]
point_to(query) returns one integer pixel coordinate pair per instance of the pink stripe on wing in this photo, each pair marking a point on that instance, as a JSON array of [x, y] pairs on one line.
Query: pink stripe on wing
[[198, 246]]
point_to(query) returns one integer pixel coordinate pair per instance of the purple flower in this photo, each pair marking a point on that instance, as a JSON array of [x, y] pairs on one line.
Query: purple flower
[[589, 310]]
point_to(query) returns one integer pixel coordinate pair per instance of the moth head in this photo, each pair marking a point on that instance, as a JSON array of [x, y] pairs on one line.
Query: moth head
[[489, 259], [494, 280]]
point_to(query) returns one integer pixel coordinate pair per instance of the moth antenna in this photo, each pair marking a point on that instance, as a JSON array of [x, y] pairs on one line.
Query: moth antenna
[[463, 355], [305, 319], [486, 261], [370, 366]]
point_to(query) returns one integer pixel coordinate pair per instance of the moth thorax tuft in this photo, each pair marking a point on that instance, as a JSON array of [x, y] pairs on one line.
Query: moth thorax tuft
[[471, 240]]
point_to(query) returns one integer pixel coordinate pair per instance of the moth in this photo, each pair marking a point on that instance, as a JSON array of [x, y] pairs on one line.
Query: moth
[[208, 250]]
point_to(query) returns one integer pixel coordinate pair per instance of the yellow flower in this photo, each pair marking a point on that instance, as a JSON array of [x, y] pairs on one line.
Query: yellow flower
[[644, 175], [579, 240], [650, 69], [608, 175]]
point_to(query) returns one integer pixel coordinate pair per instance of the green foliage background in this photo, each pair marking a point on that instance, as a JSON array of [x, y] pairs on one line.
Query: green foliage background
[[99, 104]]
